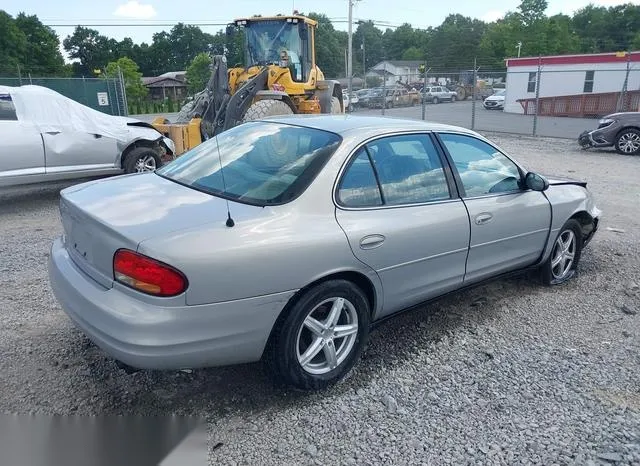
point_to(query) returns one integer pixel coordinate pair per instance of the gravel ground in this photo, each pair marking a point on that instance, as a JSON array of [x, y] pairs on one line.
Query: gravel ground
[[509, 373]]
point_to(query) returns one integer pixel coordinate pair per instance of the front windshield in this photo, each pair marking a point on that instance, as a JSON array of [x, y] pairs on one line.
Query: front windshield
[[266, 39], [500, 92], [264, 163]]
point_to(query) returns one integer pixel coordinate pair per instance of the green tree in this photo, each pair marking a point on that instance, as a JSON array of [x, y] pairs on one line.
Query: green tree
[[455, 43], [330, 51], [13, 45], [198, 73], [134, 88], [42, 55], [413, 53], [90, 49], [370, 36]]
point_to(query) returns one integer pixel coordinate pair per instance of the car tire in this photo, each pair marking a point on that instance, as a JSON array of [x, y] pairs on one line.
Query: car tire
[[293, 341], [567, 246], [628, 142], [435, 100], [453, 98], [141, 159]]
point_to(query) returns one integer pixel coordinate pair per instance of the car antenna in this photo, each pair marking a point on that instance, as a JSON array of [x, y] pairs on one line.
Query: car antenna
[[230, 221]]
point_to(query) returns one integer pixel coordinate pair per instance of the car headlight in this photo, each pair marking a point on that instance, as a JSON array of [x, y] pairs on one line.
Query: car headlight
[[170, 144], [605, 121]]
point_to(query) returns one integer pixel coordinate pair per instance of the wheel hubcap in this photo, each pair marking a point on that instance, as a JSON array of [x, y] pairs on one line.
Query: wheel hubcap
[[563, 254], [629, 142], [146, 164], [327, 336]]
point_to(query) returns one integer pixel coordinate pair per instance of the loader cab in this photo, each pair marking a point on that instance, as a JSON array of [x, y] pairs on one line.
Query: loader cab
[[285, 41]]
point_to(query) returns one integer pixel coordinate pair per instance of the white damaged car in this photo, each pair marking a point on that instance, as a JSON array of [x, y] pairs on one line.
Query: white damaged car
[[49, 137]]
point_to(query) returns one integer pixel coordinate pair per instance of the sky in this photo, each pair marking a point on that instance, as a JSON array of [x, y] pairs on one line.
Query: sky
[[150, 13]]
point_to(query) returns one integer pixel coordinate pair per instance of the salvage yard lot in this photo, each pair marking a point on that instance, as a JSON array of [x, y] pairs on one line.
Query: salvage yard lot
[[508, 373]]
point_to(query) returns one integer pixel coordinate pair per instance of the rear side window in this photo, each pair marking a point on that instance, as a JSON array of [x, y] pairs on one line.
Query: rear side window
[[7, 109], [358, 186]]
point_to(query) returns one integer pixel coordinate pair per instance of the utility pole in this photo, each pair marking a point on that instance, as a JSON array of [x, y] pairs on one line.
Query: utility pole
[[350, 47], [519, 46], [364, 65]]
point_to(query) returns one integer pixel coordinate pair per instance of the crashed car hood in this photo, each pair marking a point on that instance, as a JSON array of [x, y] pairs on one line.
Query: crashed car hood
[[50, 111]]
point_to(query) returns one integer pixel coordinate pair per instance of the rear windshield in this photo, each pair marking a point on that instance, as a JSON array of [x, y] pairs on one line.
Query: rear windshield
[[264, 163]]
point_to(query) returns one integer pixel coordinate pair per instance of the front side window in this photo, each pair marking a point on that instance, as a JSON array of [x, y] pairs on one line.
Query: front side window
[[483, 170], [263, 163], [7, 109], [409, 169], [271, 42]]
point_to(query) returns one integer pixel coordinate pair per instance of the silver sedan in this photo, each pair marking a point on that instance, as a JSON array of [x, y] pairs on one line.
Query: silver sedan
[[286, 239]]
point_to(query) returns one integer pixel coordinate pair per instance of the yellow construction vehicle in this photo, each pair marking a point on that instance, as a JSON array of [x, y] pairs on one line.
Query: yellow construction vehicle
[[279, 76]]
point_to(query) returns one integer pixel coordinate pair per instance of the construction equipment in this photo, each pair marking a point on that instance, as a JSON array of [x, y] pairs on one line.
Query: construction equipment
[[279, 76], [464, 87]]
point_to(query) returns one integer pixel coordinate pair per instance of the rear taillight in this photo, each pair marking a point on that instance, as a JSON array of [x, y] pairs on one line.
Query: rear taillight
[[147, 275]]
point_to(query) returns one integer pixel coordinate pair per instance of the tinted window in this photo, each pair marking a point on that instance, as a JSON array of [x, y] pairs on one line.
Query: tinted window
[[409, 169], [358, 186], [264, 163], [7, 109], [483, 170]]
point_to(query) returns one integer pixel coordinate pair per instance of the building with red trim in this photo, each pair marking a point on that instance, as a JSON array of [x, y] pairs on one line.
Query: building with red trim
[[574, 85]]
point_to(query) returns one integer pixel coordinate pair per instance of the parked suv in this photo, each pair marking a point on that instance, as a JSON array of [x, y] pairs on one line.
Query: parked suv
[[619, 130], [437, 94]]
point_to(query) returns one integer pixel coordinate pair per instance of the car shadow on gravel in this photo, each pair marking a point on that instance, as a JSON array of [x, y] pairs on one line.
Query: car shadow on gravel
[[217, 392], [19, 199]]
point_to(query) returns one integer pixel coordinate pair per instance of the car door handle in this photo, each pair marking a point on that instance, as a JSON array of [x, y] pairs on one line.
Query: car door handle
[[371, 241], [52, 133], [483, 218]]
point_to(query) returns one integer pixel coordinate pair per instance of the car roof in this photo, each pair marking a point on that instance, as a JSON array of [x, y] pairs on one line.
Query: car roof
[[344, 124]]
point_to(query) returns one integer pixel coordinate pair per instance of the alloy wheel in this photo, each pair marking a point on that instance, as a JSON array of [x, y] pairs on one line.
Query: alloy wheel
[[327, 336], [629, 143], [563, 254], [146, 164]]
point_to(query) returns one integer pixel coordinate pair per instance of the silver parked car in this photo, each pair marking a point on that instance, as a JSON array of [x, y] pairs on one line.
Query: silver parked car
[[437, 94], [287, 238], [47, 137]]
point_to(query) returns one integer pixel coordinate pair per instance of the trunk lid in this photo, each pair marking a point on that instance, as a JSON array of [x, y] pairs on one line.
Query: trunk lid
[[102, 216]]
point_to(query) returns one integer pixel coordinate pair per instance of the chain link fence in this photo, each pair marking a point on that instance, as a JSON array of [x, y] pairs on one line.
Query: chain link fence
[[537, 100], [104, 94]]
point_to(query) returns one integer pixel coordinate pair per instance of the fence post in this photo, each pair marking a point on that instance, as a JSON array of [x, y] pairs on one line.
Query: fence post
[[84, 86], [30, 82], [19, 74], [424, 92], [473, 93], [384, 87], [124, 93], [535, 116], [625, 85]]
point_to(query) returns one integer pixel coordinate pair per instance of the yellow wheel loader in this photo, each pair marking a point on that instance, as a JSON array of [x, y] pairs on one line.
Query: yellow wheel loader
[[279, 76]]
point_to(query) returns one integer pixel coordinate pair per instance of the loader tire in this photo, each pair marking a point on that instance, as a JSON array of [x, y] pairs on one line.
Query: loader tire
[[265, 108]]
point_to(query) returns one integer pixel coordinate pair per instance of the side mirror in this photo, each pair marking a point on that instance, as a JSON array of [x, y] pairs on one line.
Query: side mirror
[[536, 182]]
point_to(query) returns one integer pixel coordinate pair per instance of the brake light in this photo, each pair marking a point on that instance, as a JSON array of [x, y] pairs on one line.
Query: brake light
[[147, 275]]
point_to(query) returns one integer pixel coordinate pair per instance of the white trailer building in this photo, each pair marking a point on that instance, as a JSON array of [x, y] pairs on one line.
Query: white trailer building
[[573, 85]]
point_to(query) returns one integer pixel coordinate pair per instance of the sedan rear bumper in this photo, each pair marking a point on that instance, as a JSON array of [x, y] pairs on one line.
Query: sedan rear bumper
[[152, 336]]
